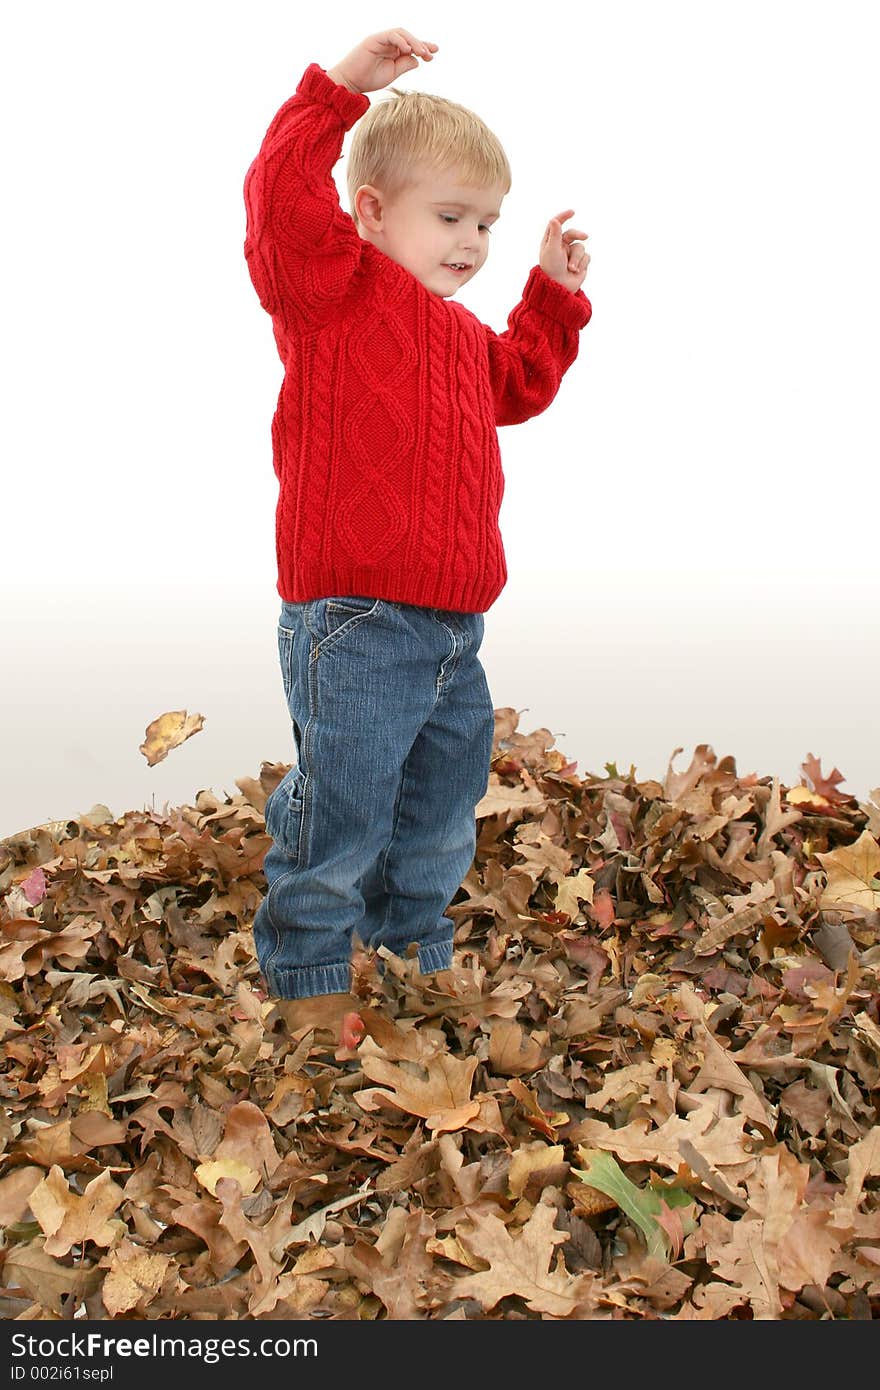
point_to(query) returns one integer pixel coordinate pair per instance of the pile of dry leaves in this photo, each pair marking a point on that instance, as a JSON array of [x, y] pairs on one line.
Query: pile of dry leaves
[[648, 1088]]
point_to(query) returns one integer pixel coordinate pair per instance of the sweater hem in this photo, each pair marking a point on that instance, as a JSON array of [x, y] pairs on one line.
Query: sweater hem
[[424, 589]]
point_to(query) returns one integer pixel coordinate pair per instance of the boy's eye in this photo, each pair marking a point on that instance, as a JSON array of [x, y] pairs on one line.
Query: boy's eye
[[447, 217]]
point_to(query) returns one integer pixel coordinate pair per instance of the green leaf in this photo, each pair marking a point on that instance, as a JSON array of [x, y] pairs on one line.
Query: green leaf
[[641, 1205]]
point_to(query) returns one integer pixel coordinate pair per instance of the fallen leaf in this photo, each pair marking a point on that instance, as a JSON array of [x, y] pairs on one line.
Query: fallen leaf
[[518, 1264], [438, 1092], [15, 1193], [512, 1052], [46, 1280], [529, 1159], [398, 1266], [210, 1173], [853, 873], [133, 1279], [643, 1206], [69, 1219]]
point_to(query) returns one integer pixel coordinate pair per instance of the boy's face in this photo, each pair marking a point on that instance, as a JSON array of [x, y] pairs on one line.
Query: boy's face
[[434, 222]]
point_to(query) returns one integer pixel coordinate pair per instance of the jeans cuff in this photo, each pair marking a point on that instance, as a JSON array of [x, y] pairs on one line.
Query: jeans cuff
[[437, 956], [304, 981]]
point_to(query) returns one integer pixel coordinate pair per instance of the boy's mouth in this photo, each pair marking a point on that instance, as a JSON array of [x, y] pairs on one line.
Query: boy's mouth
[[459, 267]]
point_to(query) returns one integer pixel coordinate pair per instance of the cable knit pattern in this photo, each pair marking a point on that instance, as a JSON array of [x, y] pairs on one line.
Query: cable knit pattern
[[384, 437], [437, 414]]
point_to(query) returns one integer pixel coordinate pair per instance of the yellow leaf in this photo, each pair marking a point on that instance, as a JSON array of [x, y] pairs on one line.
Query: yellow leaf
[[576, 887], [132, 1280], [853, 873], [166, 732], [802, 796], [664, 1052], [530, 1158], [209, 1174]]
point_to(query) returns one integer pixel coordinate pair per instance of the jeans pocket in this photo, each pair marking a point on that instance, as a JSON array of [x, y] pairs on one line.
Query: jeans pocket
[[334, 617], [284, 814], [286, 638]]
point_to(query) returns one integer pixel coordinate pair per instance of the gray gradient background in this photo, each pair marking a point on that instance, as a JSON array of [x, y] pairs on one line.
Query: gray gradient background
[[691, 527]]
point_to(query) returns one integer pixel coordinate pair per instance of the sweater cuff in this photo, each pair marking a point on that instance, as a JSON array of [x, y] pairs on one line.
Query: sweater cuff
[[553, 299], [317, 86]]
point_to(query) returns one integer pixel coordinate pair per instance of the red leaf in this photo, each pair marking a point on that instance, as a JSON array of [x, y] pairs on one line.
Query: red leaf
[[825, 786], [602, 908], [352, 1031], [34, 886]]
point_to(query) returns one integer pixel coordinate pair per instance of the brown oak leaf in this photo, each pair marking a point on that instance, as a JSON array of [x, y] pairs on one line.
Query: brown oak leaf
[[68, 1219], [397, 1267], [518, 1264], [439, 1091]]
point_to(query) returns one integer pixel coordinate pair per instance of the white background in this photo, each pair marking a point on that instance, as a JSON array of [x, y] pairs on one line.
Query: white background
[[691, 528]]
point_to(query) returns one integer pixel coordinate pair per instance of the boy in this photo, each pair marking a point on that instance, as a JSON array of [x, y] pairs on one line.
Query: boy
[[390, 483]]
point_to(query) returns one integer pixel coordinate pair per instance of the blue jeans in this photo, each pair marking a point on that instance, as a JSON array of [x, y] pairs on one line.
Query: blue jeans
[[373, 827]]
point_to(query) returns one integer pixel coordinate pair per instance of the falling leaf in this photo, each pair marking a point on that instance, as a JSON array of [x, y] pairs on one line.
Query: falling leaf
[[167, 732], [825, 786], [351, 1031]]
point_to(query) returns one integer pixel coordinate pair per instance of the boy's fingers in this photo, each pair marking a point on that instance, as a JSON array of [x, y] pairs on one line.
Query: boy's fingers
[[408, 42], [395, 38]]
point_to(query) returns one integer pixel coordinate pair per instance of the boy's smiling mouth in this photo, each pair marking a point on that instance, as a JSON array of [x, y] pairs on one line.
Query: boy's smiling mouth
[[458, 266]]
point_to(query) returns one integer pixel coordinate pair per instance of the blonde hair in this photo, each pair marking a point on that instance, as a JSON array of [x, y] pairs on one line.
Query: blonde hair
[[417, 129]]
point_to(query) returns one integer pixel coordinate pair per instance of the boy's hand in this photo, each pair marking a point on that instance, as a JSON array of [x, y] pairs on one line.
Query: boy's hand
[[562, 256], [380, 59]]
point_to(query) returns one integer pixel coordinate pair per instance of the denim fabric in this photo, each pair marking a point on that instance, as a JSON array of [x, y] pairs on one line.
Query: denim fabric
[[373, 827]]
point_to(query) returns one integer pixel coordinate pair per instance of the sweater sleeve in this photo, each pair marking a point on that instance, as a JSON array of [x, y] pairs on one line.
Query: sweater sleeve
[[528, 361], [300, 246]]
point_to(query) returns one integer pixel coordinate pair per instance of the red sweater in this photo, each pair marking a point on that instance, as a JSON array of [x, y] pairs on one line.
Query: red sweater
[[384, 437]]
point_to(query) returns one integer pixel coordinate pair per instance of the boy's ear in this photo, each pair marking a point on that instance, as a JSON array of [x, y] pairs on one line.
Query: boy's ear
[[368, 206]]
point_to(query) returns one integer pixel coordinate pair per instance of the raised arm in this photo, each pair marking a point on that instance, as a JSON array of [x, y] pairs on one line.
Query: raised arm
[[528, 361], [301, 247]]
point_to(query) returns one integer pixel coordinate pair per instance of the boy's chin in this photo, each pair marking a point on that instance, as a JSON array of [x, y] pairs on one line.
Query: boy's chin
[[436, 286], [445, 286]]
